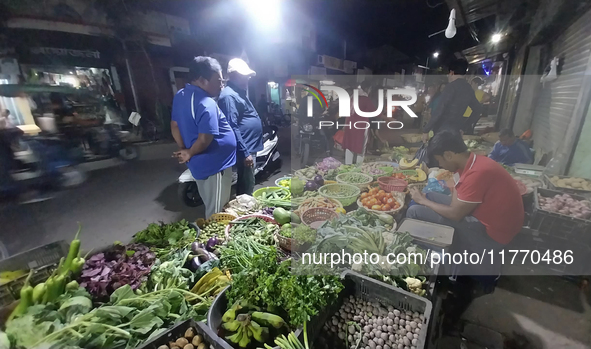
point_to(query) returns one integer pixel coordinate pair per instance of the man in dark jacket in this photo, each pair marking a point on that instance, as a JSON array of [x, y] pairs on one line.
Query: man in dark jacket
[[245, 122], [455, 98]]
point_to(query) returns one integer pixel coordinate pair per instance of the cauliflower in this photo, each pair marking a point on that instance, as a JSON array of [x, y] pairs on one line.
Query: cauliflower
[[415, 286]]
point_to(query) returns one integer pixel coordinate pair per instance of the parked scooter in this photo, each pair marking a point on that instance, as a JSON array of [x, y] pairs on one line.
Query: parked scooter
[[268, 158]]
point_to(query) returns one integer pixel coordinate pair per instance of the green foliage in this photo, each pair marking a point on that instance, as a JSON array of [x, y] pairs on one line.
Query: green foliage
[[273, 286]]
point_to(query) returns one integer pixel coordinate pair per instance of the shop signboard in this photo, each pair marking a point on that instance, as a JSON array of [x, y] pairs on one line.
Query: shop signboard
[[46, 48]]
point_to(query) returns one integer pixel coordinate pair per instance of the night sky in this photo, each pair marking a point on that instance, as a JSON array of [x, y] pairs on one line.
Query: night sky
[[365, 24]]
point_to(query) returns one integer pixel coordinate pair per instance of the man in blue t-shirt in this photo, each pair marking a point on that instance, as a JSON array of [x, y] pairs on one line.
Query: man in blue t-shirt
[[510, 150], [245, 122], [206, 140]]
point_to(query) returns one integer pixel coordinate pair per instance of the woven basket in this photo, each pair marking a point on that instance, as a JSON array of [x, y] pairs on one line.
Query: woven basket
[[397, 195], [409, 173], [419, 186], [300, 175], [266, 218], [412, 137], [362, 176], [291, 244], [219, 217], [328, 189], [280, 179], [390, 184], [317, 214], [259, 192]]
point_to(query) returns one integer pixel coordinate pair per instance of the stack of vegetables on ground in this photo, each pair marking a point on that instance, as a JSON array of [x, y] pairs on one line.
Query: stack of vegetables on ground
[[266, 300], [365, 232], [363, 324], [60, 281]]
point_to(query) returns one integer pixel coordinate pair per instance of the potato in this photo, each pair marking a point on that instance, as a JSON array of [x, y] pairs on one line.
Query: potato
[[189, 346], [181, 342], [577, 185], [189, 333], [163, 346], [561, 183], [197, 340]]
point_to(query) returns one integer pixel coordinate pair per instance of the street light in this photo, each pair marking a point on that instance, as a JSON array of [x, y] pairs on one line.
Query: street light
[[266, 13], [496, 38], [435, 55]]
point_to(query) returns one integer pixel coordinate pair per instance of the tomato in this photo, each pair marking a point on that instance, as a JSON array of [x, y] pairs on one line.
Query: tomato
[[376, 207], [373, 201], [390, 201], [373, 191], [385, 200], [382, 192], [389, 195], [386, 207], [364, 195]]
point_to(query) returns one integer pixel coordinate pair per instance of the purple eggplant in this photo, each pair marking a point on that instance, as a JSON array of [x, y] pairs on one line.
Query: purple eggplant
[[212, 243], [195, 264], [311, 186], [319, 180], [204, 255]]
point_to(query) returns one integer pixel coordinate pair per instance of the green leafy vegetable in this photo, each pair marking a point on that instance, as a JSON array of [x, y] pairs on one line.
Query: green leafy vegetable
[[273, 286]]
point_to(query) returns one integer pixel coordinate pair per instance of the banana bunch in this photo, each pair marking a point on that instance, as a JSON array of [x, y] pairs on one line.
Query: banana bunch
[[249, 326]]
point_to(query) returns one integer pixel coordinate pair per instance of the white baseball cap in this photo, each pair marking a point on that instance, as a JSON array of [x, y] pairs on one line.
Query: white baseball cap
[[241, 67]]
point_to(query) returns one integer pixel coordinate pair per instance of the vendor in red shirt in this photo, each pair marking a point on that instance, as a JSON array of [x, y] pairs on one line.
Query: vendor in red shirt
[[485, 208]]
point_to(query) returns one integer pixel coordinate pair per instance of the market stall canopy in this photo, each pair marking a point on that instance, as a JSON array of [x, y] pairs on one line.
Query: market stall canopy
[[471, 11]]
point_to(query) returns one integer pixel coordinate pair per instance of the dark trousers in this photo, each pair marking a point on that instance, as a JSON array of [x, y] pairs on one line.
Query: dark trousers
[[245, 183]]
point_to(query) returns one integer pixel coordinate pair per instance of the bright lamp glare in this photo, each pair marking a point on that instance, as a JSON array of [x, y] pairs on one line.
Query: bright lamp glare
[[264, 12], [496, 38], [435, 54]]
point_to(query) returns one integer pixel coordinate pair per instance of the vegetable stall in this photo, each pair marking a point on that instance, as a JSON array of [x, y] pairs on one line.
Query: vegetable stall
[[240, 278]]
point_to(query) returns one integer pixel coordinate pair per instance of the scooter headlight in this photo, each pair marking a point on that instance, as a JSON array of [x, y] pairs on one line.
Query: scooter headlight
[[308, 128]]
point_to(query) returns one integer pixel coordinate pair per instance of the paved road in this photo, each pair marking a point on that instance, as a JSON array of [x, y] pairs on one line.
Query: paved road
[[113, 204]]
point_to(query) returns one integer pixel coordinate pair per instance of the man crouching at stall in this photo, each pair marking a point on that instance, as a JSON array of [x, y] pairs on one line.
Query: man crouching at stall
[[485, 210]]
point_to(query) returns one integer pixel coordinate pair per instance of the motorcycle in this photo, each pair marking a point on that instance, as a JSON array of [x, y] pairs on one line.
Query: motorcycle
[[110, 141], [266, 159], [310, 138], [43, 162]]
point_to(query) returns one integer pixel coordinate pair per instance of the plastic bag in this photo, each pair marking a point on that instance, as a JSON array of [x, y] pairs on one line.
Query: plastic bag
[[422, 155], [435, 186]]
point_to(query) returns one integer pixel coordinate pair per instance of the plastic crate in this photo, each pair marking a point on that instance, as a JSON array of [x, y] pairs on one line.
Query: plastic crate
[[559, 225], [36, 257], [178, 331], [219, 307], [43, 260], [550, 185], [372, 290]]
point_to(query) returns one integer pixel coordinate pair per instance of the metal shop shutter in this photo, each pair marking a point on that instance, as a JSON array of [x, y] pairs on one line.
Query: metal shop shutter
[[559, 99]]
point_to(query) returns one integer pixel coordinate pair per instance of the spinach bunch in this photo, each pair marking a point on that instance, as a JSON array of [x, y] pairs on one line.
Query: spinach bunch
[[166, 236], [125, 322], [273, 286]]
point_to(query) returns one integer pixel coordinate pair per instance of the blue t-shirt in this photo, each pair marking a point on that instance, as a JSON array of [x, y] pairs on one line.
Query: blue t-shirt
[[518, 153], [243, 118], [196, 112]]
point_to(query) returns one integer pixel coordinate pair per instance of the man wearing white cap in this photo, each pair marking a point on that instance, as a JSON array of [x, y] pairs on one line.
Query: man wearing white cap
[[244, 120]]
